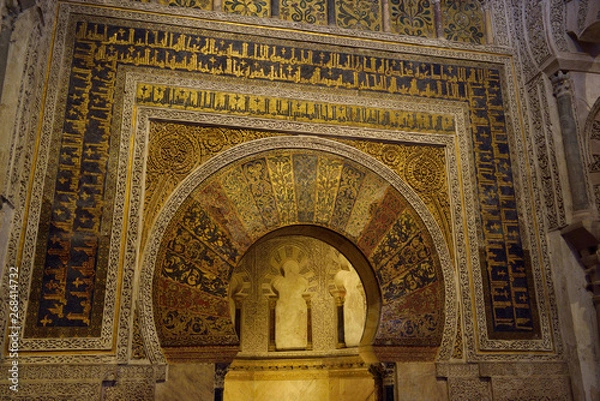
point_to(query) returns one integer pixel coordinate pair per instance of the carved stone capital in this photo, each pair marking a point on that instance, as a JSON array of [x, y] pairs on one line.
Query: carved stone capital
[[584, 236], [8, 11], [4, 201], [561, 86], [221, 370], [12, 9], [239, 299], [561, 83]]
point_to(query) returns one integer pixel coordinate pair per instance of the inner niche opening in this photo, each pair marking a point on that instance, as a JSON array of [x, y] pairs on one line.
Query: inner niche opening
[[296, 295], [300, 310]]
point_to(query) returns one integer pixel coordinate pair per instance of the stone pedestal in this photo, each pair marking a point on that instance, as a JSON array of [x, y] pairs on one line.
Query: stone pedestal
[[315, 379], [507, 381]]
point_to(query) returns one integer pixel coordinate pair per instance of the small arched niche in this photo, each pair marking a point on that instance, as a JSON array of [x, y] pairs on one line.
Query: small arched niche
[[300, 309], [298, 294]]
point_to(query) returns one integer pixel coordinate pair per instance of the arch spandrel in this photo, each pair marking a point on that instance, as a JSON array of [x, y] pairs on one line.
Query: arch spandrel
[[218, 215]]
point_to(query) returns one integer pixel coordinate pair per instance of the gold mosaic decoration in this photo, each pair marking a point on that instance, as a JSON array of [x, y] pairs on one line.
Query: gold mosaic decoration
[[182, 98], [254, 8], [187, 146], [358, 14], [307, 11], [221, 219], [463, 21], [201, 4], [412, 17], [175, 150], [421, 167]]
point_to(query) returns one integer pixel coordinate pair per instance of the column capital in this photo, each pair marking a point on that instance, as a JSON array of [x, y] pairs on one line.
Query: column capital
[[561, 83], [5, 201], [12, 8], [584, 236], [221, 370]]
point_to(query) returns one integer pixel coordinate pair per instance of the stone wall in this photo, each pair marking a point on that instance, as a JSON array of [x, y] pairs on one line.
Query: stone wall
[[128, 123]]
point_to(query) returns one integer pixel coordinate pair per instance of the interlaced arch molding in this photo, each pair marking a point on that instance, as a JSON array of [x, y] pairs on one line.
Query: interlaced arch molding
[[296, 185]]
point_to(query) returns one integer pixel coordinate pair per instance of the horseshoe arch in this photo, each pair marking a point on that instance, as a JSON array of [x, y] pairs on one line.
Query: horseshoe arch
[[306, 185]]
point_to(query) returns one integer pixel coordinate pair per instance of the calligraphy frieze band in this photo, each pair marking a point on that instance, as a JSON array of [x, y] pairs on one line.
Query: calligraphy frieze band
[[295, 110]]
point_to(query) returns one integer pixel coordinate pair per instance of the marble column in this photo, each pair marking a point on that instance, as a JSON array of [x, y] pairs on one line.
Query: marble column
[[338, 295], [307, 299], [272, 320], [6, 28], [389, 381], [582, 234], [377, 370], [238, 301], [561, 84], [220, 372]]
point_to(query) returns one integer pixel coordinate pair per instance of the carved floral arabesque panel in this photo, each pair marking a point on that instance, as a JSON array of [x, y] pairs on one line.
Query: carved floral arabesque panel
[[460, 20]]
